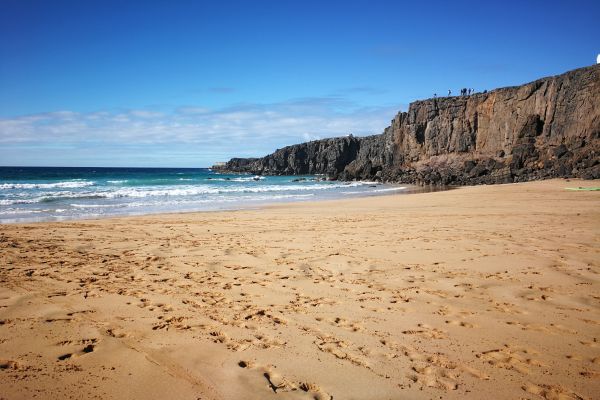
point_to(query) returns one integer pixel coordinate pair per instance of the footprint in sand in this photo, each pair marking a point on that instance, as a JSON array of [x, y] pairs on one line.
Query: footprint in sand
[[434, 377], [265, 342], [277, 383], [349, 325], [507, 308], [77, 342], [426, 331], [463, 324], [171, 322], [87, 349], [590, 374], [263, 316], [340, 350], [116, 333], [513, 359], [10, 365], [590, 343], [551, 392], [58, 319]]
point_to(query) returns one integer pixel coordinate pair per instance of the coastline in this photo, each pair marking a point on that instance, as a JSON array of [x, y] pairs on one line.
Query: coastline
[[508, 134], [37, 194], [240, 204], [459, 293]]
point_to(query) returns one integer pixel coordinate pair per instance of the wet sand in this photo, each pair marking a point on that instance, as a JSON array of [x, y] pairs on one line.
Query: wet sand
[[478, 292]]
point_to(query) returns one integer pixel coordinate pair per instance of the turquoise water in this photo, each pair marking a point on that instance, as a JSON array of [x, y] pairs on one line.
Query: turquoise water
[[52, 194]]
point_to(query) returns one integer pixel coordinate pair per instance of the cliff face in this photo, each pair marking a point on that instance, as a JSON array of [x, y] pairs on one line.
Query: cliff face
[[328, 156], [543, 129]]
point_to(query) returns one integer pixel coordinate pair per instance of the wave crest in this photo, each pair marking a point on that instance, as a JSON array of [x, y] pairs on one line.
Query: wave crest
[[64, 185]]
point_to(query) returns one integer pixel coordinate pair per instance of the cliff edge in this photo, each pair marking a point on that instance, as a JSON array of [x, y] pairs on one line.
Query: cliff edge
[[543, 129]]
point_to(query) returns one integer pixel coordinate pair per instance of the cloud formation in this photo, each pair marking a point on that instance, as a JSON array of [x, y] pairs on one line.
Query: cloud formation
[[204, 135]]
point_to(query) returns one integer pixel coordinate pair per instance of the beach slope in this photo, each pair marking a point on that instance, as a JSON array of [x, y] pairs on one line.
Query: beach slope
[[477, 292]]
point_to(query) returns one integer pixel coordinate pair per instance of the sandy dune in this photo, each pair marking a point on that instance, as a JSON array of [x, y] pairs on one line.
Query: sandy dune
[[481, 292]]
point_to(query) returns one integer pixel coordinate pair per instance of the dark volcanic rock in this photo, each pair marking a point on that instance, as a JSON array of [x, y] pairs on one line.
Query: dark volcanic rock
[[543, 129], [328, 156], [238, 165]]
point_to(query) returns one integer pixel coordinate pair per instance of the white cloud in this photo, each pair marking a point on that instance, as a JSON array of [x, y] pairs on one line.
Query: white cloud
[[241, 130], [193, 110], [145, 114]]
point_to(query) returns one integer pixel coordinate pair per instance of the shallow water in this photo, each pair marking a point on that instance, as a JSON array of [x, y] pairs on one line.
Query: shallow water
[[29, 194]]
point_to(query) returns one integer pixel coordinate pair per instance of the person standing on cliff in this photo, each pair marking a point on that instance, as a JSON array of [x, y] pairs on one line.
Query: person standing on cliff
[[449, 92]]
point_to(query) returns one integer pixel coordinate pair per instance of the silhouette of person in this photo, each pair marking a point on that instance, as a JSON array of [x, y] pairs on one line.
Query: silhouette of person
[[449, 92]]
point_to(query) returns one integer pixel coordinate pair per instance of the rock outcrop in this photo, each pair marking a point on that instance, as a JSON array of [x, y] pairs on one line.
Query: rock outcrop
[[543, 129]]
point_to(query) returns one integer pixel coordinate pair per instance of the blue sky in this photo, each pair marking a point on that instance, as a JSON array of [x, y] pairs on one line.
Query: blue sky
[[188, 83]]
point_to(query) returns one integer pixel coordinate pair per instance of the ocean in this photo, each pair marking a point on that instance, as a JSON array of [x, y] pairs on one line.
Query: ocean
[[32, 194]]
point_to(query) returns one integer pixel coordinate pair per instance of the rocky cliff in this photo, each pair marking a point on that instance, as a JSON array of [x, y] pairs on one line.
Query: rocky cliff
[[543, 129]]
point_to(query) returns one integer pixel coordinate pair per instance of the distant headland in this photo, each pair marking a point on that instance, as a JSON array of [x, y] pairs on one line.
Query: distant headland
[[543, 129]]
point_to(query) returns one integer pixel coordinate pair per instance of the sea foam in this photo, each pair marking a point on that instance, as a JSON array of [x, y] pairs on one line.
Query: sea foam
[[68, 184]]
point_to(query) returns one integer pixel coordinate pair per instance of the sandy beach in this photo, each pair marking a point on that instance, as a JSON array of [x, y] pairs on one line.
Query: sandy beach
[[477, 292]]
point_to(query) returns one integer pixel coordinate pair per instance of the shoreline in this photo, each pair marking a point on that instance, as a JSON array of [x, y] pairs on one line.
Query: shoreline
[[62, 194], [293, 203], [453, 294], [393, 189]]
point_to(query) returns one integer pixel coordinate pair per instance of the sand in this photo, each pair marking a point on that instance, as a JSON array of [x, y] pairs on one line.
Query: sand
[[479, 292]]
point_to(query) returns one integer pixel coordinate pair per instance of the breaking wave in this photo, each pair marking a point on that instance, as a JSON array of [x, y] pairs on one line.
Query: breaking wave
[[67, 184]]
